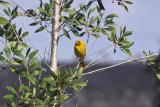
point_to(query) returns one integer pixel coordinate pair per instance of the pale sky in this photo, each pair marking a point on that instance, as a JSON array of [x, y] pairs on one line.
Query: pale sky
[[142, 19]]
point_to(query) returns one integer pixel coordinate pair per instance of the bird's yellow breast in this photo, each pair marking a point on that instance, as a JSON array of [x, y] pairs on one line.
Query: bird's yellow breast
[[80, 49]]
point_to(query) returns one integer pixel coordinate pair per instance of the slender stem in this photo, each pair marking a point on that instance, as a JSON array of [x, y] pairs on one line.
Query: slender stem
[[118, 64], [110, 48], [100, 62]]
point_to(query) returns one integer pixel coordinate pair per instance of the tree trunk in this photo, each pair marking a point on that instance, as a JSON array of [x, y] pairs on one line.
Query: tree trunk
[[55, 33]]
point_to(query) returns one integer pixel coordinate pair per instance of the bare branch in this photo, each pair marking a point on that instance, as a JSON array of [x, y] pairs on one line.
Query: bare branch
[[99, 57], [121, 63]]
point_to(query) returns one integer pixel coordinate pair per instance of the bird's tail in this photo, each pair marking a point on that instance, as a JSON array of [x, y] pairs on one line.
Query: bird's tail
[[81, 63]]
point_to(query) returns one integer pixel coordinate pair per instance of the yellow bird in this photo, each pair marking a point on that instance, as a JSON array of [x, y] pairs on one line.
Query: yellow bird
[[80, 51]]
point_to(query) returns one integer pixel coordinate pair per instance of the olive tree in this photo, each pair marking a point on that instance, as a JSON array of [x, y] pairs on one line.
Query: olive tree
[[45, 86]]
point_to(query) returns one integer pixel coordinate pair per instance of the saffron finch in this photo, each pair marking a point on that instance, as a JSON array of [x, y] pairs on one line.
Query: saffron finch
[[80, 51]]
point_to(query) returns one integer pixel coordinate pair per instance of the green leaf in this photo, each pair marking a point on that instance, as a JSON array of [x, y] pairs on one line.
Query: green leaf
[[14, 12], [3, 21], [6, 12], [31, 12], [127, 33], [91, 11], [77, 28], [80, 71], [124, 5], [24, 45], [33, 24], [35, 72], [1, 31], [17, 61], [20, 31], [71, 12], [66, 34], [4, 3], [81, 34], [145, 53], [68, 4], [126, 44], [2, 59], [124, 29], [27, 95], [32, 54], [103, 31], [53, 89], [112, 15], [9, 97], [13, 104], [47, 8], [127, 51], [98, 20], [76, 85], [34, 92], [75, 32], [16, 49], [96, 35], [128, 2], [39, 29], [11, 90], [31, 79], [63, 97], [24, 88], [42, 10], [113, 37], [28, 51], [39, 103], [81, 84], [13, 69], [52, 2], [158, 76], [25, 34], [49, 80], [111, 28], [7, 51]]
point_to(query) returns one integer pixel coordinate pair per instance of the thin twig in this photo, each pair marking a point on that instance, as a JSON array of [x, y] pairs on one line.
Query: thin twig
[[104, 61], [63, 34], [121, 63], [92, 45], [99, 57], [77, 58], [100, 62], [97, 51]]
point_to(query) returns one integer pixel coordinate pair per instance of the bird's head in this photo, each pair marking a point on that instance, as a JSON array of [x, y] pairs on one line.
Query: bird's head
[[79, 42]]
